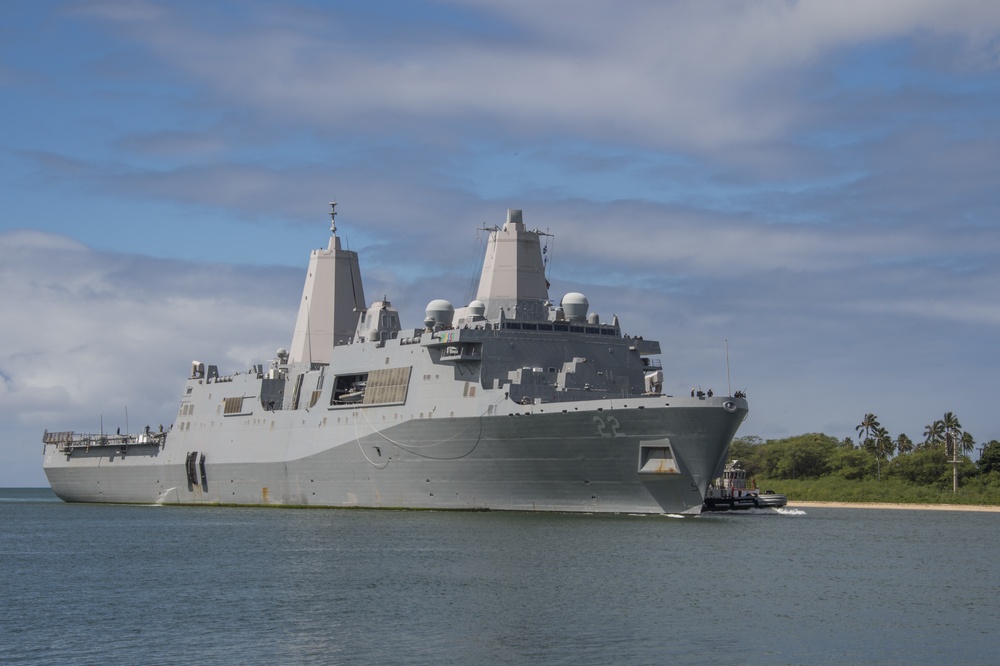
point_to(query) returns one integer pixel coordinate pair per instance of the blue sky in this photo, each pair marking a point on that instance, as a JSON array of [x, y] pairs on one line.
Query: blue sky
[[816, 183]]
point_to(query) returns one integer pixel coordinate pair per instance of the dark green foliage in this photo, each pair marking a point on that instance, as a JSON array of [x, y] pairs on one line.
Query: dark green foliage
[[822, 468], [924, 467], [985, 484], [801, 457], [852, 464], [745, 449], [891, 490], [989, 461], [904, 444]]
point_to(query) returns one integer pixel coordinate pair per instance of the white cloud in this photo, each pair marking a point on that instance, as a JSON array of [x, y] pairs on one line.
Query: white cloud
[[88, 334], [681, 74], [707, 171]]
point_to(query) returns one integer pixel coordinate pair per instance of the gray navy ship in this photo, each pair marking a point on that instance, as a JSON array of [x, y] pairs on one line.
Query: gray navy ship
[[511, 402]]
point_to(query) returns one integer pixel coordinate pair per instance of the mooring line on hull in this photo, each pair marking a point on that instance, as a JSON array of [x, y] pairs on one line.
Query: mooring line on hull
[[362, 448], [417, 453], [163, 496], [412, 449], [440, 441]]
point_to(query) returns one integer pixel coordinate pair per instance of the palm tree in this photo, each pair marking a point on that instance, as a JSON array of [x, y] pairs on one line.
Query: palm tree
[[967, 443], [883, 447], [934, 434], [903, 444], [868, 423], [952, 428]]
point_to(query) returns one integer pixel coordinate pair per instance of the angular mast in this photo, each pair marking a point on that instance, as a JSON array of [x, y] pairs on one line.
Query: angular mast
[[513, 277], [332, 300]]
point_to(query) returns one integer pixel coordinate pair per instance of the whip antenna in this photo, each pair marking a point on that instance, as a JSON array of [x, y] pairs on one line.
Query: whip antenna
[[728, 381]]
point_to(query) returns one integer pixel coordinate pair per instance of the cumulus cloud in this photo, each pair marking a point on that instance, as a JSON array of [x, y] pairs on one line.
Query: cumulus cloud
[[89, 333], [814, 182], [682, 74]]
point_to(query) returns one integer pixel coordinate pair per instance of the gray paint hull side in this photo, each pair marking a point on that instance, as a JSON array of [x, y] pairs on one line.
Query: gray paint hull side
[[578, 461]]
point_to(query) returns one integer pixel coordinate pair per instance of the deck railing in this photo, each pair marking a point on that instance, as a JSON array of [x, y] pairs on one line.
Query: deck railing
[[68, 441]]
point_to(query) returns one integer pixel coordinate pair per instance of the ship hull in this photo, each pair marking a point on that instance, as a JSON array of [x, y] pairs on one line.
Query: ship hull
[[650, 458], [512, 404]]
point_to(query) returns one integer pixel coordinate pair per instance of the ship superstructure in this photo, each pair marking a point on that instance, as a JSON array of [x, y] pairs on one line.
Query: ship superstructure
[[511, 402]]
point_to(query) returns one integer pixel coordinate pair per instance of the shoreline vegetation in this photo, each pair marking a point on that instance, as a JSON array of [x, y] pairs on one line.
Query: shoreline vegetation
[[876, 471], [985, 508]]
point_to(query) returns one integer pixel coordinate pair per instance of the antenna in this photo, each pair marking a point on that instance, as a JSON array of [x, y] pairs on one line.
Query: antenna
[[550, 239], [333, 217], [728, 381], [309, 332], [354, 292], [475, 262]]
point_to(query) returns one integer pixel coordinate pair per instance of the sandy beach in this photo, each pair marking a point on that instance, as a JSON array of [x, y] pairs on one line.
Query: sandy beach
[[885, 505]]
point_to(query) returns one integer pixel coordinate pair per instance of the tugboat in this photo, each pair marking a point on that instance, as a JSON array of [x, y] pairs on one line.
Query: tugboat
[[733, 492]]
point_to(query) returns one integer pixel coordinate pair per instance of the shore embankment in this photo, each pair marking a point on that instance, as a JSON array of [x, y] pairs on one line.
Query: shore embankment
[[889, 505]]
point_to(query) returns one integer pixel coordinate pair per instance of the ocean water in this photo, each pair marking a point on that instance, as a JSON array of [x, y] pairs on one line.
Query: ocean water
[[96, 584]]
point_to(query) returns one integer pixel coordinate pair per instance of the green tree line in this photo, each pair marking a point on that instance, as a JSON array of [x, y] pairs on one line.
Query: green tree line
[[878, 467]]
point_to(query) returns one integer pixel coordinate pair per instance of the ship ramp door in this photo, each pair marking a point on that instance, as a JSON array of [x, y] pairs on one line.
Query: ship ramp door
[[657, 457]]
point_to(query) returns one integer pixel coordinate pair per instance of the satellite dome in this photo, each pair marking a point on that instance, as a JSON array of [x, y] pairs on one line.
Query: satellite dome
[[575, 305], [440, 312], [477, 309]]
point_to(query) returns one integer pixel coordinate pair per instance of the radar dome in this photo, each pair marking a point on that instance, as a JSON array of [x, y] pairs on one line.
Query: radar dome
[[477, 309], [575, 305], [440, 312]]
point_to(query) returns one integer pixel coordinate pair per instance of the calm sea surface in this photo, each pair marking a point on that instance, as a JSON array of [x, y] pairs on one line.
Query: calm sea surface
[[94, 584]]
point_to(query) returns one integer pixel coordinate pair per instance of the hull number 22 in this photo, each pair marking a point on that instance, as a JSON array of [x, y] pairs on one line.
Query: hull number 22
[[609, 427]]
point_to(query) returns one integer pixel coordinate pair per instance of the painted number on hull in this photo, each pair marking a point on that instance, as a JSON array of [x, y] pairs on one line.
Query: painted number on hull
[[608, 428]]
